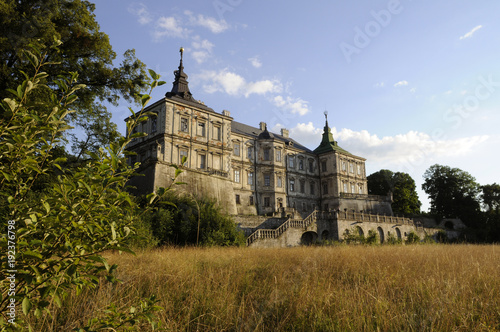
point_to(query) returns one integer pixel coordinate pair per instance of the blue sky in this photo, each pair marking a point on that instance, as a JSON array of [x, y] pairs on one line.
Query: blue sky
[[407, 84]]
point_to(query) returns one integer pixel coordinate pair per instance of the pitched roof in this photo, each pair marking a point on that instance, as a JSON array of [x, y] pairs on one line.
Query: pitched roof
[[243, 129], [328, 144]]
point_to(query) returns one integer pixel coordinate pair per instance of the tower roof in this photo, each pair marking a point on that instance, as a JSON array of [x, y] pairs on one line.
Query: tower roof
[[328, 143], [180, 86]]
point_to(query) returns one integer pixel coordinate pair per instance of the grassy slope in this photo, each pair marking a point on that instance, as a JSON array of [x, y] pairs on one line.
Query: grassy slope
[[358, 288]]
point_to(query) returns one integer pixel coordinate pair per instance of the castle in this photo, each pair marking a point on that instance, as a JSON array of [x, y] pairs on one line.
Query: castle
[[253, 172]]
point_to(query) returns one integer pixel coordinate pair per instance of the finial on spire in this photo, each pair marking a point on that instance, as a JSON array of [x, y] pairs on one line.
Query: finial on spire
[[326, 115]]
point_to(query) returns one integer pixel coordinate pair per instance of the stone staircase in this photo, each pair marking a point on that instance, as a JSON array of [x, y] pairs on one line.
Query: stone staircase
[[261, 234]]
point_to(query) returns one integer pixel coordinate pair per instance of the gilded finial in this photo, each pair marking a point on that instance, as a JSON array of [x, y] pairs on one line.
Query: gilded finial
[[182, 51]]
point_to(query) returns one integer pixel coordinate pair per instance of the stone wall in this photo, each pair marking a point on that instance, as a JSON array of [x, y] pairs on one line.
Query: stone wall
[[198, 184]]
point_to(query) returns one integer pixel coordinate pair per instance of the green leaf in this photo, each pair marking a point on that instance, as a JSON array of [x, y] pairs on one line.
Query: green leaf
[[26, 305], [145, 99], [47, 206], [113, 231], [32, 254]]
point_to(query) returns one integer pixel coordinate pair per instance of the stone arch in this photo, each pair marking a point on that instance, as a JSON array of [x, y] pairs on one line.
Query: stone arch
[[324, 235], [308, 238], [398, 233], [381, 234], [359, 230]]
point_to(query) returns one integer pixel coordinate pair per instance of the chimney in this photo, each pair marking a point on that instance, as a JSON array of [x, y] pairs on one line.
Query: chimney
[[262, 126], [226, 113], [284, 132]]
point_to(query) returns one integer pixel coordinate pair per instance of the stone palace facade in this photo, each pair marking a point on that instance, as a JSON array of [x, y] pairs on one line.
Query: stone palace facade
[[249, 170]]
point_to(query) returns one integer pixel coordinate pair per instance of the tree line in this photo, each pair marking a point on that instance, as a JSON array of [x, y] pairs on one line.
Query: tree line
[[453, 193]]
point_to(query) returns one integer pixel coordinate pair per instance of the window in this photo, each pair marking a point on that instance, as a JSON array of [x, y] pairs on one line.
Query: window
[[236, 149], [359, 169], [302, 186], [201, 129], [352, 188], [323, 166], [251, 200], [267, 180], [344, 166], [291, 161], [266, 154], [345, 187], [292, 185], [238, 199], [250, 178], [303, 206], [183, 154], [278, 155], [280, 182], [184, 125], [301, 164], [249, 152], [267, 202], [325, 188], [153, 124], [311, 166], [361, 189], [351, 168], [311, 188], [203, 160], [217, 133], [237, 175]]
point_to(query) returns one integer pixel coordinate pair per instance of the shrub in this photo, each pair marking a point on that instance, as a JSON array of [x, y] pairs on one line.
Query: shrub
[[412, 238], [56, 238], [182, 219]]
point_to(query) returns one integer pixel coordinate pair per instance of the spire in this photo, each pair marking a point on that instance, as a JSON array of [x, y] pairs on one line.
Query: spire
[[328, 143], [180, 85], [327, 133]]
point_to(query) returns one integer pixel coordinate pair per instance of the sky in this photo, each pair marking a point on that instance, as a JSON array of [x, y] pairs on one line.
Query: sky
[[406, 84]]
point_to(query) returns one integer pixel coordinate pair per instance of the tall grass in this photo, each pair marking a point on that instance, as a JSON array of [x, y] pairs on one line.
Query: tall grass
[[343, 288]]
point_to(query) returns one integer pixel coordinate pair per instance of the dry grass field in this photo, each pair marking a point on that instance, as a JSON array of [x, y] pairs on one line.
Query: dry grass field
[[339, 288]]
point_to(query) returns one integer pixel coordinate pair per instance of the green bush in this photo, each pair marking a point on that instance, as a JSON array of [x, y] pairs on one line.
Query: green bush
[[372, 237], [412, 238], [56, 238], [182, 219]]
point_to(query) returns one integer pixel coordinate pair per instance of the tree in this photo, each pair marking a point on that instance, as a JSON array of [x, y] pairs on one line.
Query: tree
[[405, 197], [452, 192], [400, 185], [85, 50], [181, 219], [53, 243], [491, 197]]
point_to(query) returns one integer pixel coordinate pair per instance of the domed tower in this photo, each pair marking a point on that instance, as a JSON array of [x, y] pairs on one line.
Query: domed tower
[[343, 182]]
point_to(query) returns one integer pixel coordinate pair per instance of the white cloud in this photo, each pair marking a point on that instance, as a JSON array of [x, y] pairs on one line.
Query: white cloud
[[255, 61], [169, 27], [141, 11], [470, 33], [401, 83], [235, 85], [202, 49], [293, 105], [214, 25], [379, 85], [396, 151], [306, 134]]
